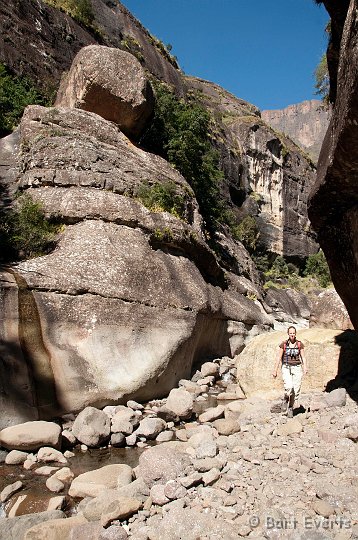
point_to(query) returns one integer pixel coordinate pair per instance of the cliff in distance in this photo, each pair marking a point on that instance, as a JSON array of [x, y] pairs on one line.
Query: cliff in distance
[[306, 123]]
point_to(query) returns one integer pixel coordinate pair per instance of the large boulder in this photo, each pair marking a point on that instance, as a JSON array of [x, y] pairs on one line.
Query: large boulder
[[15, 528], [129, 298], [92, 483], [92, 427], [110, 83], [289, 305], [161, 463], [330, 355], [328, 311], [333, 206], [31, 436]]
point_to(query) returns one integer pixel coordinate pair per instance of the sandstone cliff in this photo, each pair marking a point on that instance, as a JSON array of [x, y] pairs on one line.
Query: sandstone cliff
[[333, 205], [305, 123], [266, 175], [131, 298]]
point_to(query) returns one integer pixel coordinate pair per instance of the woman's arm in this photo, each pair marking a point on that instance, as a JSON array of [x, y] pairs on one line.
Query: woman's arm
[[304, 362], [278, 362]]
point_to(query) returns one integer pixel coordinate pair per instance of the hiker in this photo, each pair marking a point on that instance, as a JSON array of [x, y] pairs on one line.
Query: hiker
[[294, 365]]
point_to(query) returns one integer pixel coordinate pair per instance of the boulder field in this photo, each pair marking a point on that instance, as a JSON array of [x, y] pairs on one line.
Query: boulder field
[[230, 471]]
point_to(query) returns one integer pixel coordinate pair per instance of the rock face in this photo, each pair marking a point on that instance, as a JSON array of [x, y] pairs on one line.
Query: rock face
[[124, 286], [266, 174], [328, 311], [56, 39], [305, 123], [110, 83], [330, 355], [333, 203]]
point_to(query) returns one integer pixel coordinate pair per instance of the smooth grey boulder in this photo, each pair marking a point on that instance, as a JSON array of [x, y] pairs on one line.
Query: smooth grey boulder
[[31, 436], [15, 528], [150, 427], [92, 427], [110, 83], [159, 464], [92, 483], [180, 402]]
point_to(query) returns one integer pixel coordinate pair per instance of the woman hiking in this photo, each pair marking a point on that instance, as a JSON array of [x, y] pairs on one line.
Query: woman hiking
[[293, 365]]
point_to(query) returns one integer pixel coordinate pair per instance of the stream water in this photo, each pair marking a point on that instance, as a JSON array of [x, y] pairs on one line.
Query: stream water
[[38, 496]]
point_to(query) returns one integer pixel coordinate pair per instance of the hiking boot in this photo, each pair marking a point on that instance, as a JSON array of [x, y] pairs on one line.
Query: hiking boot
[[290, 412], [284, 405]]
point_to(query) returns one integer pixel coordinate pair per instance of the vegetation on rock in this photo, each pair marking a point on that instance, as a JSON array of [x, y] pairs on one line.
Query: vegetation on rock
[[15, 94], [24, 230], [163, 197], [179, 132], [80, 10]]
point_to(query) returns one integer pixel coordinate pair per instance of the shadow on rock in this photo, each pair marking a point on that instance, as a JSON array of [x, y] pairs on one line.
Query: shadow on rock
[[347, 373]]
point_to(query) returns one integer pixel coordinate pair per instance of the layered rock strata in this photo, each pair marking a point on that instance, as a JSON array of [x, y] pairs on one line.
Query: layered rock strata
[[129, 299]]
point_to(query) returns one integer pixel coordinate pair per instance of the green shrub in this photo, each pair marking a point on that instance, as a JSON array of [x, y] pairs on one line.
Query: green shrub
[[24, 230], [163, 197], [15, 94], [179, 132], [316, 266], [80, 10], [247, 232]]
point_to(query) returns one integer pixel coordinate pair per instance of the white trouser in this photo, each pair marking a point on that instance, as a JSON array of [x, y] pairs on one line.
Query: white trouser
[[292, 377]]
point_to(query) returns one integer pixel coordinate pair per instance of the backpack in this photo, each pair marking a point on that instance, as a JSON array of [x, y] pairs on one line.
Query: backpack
[[298, 346]]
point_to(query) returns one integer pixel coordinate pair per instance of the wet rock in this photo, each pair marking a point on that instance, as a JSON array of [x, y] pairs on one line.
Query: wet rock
[[56, 503], [68, 439], [111, 83], [91, 427], [46, 470], [55, 485], [120, 508], [65, 474], [118, 440], [48, 455], [9, 490], [162, 463], [91, 483], [180, 402], [150, 427], [16, 457], [31, 436]]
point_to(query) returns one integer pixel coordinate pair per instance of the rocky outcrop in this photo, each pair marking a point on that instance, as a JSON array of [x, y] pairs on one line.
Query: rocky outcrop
[[333, 204], [305, 123], [55, 38], [266, 174], [328, 311], [129, 299], [110, 83]]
